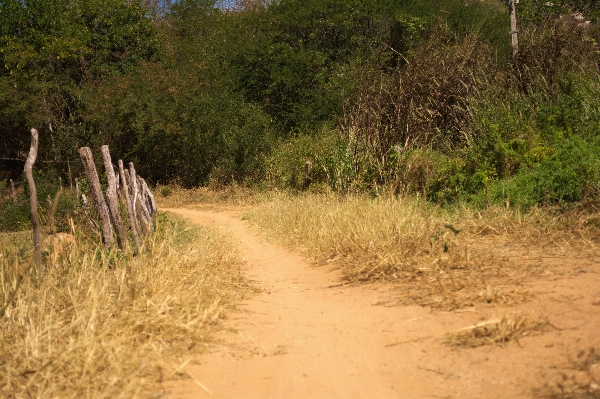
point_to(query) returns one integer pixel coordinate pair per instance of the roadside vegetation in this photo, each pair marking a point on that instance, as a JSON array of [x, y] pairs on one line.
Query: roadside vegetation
[[110, 324], [438, 257], [395, 140], [422, 96]]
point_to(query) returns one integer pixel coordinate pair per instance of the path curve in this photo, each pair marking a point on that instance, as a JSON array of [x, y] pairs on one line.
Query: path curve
[[304, 336]]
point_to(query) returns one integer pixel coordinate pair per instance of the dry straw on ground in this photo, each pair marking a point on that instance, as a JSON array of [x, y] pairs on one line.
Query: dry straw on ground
[[494, 332], [439, 258], [107, 324]]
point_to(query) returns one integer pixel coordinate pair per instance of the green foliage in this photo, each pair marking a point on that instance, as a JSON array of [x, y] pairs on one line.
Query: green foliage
[[48, 49], [327, 152], [533, 12], [14, 217], [565, 179], [54, 216], [422, 96]]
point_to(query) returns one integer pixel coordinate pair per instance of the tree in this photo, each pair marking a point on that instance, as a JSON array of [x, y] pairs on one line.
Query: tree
[[49, 48]]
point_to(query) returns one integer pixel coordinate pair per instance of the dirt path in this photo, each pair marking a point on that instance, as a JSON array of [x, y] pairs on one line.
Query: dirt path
[[305, 336]]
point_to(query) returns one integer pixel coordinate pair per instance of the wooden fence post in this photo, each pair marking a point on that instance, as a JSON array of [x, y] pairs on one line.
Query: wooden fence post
[[96, 190], [118, 180], [35, 219], [151, 201], [144, 201], [111, 197], [128, 201], [137, 200], [13, 191], [77, 188]]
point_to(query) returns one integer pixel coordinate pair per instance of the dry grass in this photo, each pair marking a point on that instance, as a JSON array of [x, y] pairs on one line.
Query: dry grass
[[497, 332], [109, 325], [439, 258], [173, 196]]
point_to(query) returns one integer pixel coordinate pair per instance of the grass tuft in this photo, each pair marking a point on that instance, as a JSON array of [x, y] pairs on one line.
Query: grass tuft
[[497, 332]]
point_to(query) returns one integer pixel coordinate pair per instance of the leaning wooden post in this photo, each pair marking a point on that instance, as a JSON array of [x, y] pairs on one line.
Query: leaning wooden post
[[118, 180], [128, 201], [144, 200], [35, 219], [136, 200], [111, 197], [13, 191], [92, 176], [151, 201]]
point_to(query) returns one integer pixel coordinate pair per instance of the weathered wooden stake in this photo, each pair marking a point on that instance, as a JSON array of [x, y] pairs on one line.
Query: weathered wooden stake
[[129, 202], [96, 190], [13, 191], [151, 201], [118, 181], [111, 196], [137, 200], [144, 204], [35, 219], [307, 175], [514, 32]]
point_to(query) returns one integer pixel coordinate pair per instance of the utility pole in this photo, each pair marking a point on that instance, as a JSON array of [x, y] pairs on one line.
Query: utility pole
[[514, 32]]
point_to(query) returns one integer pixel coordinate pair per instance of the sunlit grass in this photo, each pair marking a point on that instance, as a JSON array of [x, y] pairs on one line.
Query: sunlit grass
[[103, 324], [439, 257]]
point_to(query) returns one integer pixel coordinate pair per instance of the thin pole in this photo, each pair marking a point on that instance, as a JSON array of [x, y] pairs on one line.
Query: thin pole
[[35, 219], [96, 190], [514, 32]]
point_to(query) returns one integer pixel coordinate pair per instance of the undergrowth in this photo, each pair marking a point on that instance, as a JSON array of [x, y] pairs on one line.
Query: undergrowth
[[100, 324]]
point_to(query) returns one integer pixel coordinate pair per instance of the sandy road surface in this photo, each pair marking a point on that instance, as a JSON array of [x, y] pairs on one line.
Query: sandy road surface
[[305, 336]]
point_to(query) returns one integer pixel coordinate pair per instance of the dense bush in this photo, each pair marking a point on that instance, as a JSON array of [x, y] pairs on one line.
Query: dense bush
[[419, 97]]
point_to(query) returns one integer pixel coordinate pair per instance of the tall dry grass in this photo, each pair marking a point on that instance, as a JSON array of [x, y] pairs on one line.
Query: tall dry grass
[[111, 325], [173, 195], [441, 258]]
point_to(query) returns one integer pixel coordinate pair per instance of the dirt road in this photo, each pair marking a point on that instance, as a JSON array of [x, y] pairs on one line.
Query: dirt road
[[305, 336]]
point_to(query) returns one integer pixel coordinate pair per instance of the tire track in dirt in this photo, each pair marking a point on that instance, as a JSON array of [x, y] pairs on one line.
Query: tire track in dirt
[[305, 336]]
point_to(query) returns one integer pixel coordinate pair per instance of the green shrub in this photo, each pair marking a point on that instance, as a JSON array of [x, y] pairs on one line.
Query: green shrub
[[565, 179], [331, 163], [16, 216]]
